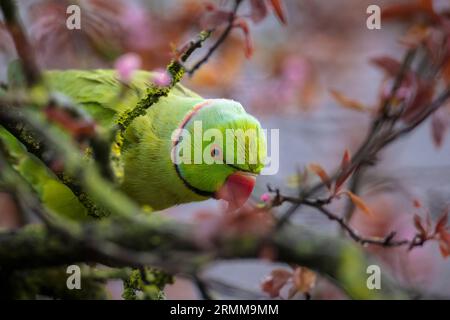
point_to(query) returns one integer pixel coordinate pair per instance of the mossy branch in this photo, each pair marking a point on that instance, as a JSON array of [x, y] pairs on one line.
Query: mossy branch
[[170, 245], [176, 70], [337, 259]]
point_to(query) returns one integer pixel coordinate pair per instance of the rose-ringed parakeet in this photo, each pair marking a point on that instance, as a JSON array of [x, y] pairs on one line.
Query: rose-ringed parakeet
[[151, 150]]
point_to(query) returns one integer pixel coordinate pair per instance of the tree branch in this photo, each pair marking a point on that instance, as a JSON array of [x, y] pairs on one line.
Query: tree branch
[[382, 132], [219, 41], [23, 47], [35, 246]]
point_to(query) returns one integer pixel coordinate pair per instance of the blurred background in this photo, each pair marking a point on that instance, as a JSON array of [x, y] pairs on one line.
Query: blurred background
[[286, 84]]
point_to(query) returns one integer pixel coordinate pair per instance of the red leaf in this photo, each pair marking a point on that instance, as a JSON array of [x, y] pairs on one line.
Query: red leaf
[[426, 5], [359, 203], [441, 225], [243, 25], [273, 283], [445, 236], [347, 102], [444, 243], [435, 45], [444, 248], [446, 72], [389, 65], [345, 173], [439, 127], [409, 10], [318, 170], [346, 159], [278, 8], [258, 10], [419, 226], [215, 18], [423, 95], [400, 10]]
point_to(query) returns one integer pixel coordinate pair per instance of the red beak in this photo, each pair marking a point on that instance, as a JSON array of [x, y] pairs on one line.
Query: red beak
[[237, 189]]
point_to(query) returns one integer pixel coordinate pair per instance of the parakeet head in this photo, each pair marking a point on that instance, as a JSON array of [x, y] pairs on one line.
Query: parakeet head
[[218, 149]]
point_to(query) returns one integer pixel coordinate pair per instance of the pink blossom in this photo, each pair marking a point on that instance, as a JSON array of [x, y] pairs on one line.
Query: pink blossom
[[265, 197], [162, 78], [126, 65]]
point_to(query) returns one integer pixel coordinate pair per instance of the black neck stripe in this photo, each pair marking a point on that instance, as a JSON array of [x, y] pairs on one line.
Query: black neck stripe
[[185, 121], [190, 186]]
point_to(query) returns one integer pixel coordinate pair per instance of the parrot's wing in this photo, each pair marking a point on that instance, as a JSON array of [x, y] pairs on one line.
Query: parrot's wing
[[101, 94]]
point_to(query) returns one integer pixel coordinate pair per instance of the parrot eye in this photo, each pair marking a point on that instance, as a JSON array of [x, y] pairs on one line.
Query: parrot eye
[[216, 152]]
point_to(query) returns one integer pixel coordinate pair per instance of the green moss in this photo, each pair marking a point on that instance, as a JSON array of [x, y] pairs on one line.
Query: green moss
[[131, 286], [176, 71], [92, 208], [154, 93], [146, 284]]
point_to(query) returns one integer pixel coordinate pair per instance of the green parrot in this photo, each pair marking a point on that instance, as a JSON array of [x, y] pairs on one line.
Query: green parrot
[[184, 149]]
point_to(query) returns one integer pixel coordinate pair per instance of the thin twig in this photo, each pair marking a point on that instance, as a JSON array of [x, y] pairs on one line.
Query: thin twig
[[433, 107], [378, 137], [319, 204], [387, 241], [194, 45], [23, 47], [219, 41]]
